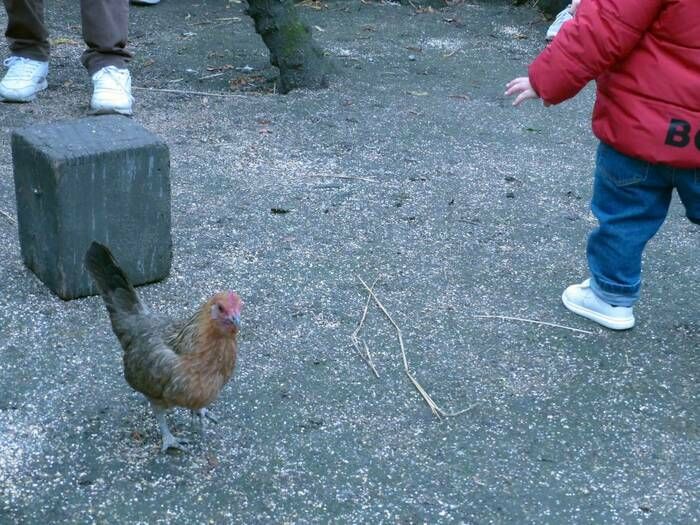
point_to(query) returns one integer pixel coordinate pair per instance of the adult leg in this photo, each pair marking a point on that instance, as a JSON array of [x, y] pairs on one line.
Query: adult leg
[[105, 28], [26, 32], [27, 65]]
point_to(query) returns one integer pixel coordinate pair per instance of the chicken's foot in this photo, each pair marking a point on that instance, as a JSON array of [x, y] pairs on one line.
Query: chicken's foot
[[203, 414], [169, 441]]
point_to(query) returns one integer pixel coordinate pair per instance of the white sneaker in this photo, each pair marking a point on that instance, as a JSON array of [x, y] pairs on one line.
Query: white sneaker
[[562, 18], [580, 299], [24, 79], [111, 91], [144, 2]]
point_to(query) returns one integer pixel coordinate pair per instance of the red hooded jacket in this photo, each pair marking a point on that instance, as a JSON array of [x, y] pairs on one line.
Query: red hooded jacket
[[645, 57]]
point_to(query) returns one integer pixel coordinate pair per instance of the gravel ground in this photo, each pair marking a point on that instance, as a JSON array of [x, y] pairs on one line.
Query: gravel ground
[[468, 207]]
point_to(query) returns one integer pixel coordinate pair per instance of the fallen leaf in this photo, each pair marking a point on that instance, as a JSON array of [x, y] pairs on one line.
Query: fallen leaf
[[454, 21], [212, 461], [63, 41], [313, 4], [236, 83], [225, 67], [460, 97]]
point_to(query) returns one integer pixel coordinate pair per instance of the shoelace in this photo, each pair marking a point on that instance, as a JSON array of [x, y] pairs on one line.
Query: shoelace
[[119, 76], [20, 68]]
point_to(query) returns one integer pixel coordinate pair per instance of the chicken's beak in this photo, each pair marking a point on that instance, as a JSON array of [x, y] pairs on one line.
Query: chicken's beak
[[236, 321]]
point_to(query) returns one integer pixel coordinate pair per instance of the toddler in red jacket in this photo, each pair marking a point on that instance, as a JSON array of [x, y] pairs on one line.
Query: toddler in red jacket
[[645, 59]]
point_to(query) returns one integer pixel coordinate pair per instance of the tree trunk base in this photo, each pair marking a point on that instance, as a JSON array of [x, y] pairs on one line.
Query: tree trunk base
[[292, 50]]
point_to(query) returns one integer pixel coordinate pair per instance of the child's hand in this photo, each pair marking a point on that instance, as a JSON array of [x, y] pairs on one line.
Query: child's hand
[[522, 88]]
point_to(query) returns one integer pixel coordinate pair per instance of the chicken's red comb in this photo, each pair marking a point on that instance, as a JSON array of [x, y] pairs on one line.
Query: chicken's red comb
[[234, 301]]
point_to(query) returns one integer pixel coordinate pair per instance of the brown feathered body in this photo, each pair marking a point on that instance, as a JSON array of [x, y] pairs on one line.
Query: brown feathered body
[[182, 364], [173, 363]]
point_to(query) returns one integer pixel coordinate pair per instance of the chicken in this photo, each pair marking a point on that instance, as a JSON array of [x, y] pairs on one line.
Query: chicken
[[173, 363]]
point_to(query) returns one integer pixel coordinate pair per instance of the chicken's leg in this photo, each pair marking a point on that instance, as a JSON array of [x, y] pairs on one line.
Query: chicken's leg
[[169, 441], [203, 414]]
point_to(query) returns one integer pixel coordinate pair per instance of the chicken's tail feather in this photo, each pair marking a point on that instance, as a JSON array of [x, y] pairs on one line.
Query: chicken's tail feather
[[114, 286]]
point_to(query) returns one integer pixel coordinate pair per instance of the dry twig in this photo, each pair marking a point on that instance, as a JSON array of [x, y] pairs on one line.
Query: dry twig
[[8, 217], [349, 177], [356, 340], [189, 92], [222, 19], [508, 318], [213, 75], [436, 410]]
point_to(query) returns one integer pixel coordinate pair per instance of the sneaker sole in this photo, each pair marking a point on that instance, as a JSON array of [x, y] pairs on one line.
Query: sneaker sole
[[111, 111], [28, 98], [603, 320]]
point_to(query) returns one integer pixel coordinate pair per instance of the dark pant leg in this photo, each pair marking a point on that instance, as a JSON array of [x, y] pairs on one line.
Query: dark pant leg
[[688, 188], [105, 27], [26, 33]]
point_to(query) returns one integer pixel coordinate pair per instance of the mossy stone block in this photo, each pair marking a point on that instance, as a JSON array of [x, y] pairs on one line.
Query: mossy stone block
[[100, 178]]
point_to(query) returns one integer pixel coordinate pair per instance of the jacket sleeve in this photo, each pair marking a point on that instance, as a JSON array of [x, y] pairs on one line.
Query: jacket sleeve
[[602, 33]]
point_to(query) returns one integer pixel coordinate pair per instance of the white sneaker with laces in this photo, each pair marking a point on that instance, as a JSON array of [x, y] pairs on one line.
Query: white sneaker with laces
[[24, 79], [580, 299], [562, 18], [111, 91]]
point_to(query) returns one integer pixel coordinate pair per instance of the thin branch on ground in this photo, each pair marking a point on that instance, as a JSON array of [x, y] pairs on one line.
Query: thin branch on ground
[[8, 217], [213, 75], [350, 177], [356, 340], [222, 19], [190, 92], [435, 409], [555, 325], [364, 358], [369, 359]]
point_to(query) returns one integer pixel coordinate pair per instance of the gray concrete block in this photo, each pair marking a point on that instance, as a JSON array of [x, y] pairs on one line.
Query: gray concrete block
[[100, 178]]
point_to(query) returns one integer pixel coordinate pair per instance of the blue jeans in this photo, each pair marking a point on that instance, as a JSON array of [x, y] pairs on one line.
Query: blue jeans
[[631, 198]]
